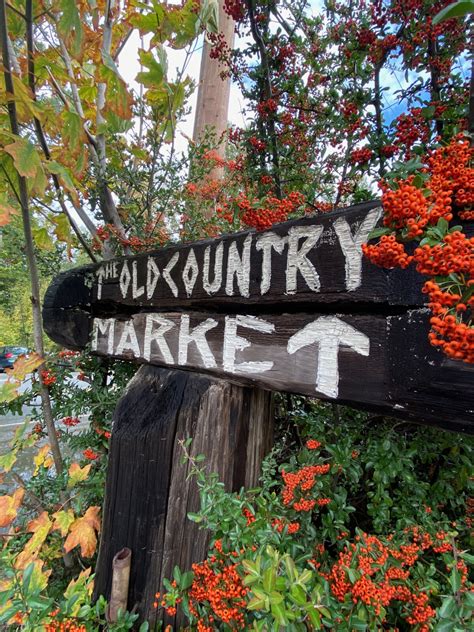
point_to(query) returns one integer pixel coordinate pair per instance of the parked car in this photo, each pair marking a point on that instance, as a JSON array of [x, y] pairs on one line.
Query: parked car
[[8, 355]]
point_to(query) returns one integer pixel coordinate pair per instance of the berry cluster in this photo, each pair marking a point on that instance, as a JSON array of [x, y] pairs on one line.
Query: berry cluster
[[447, 256]]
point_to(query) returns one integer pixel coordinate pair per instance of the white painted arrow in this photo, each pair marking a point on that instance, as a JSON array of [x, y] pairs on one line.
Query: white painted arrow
[[329, 332]]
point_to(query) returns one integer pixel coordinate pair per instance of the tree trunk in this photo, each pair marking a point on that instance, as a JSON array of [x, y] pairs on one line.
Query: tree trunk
[[148, 494]]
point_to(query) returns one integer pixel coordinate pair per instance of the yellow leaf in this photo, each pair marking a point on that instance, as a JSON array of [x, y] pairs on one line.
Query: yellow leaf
[[62, 521], [40, 527], [81, 587], [43, 458], [27, 107], [78, 473], [83, 533], [8, 390], [25, 157], [9, 506], [8, 460], [24, 365], [39, 578]]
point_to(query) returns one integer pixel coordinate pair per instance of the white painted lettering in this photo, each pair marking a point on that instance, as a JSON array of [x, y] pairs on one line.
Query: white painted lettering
[[190, 272], [128, 340], [152, 276], [329, 333], [100, 279], [297, 259], [136, 291], [153, 334], [234, 343], [125, 278], [212, 288], [267, 242], [101, 327], [239, 266], [351, 245], [167, 274], [198, 336]]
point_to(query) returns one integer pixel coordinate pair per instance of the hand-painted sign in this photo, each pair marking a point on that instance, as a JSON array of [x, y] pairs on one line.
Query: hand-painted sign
[[216, 306]]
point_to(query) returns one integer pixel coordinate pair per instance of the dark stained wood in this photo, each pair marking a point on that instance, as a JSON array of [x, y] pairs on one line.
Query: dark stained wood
[[313, 270], [382, 363], [148, 495]]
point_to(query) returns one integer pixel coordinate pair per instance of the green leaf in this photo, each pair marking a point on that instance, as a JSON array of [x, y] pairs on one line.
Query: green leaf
[[269, 577], [455, 580], [378, 232], [442, 225], [447, 607], [43, 239], [253, 568], [70, 25], [26, 159], [62, 230], [177, 574], [444, 626], [145, 626], [64, 176], [186, 580], [278, 612], [458, 9], [194, 517], [71, 130], [298, 594], [428, 112], [156, 69], [209, 16]]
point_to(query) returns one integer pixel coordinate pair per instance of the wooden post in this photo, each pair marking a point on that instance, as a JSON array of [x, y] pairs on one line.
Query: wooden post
[[148, 495]]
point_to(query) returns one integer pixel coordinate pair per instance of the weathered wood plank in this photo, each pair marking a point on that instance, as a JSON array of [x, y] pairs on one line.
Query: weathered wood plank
[[375, 362], [320, 355], [148, 494], [314, 260]]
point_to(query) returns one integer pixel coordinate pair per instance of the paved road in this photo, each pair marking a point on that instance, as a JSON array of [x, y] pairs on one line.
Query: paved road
[[9, 423]]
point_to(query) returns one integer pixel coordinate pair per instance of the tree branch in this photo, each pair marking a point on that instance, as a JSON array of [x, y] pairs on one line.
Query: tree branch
[[40, 134]]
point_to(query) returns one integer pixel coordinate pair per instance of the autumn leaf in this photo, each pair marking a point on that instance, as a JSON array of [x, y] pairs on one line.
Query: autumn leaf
[[43, 458], [8, 460], [27, 107], [71, 131], [9, 506], [40, 528], [81, 588], [27, 162], [62, 230], [78, 473], [8, 391], [62, 521], [43, 239], [39, 577], [83, 533], [70, 25], [24, 365], [6, 211], [65, 178], [25, 157], [119, 100]]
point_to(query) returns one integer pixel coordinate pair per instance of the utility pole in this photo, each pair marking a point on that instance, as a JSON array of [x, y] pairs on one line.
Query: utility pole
[[213, 92]]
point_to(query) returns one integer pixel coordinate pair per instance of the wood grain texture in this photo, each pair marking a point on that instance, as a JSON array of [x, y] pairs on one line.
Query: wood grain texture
[[397, 372], [314, 260], [147, 493]]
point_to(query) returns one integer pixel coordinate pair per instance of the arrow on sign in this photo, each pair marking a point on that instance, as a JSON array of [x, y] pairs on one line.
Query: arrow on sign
[[329, 333]]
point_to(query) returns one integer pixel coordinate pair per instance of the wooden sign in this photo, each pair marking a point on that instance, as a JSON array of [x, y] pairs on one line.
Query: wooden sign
[[296, 308]]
